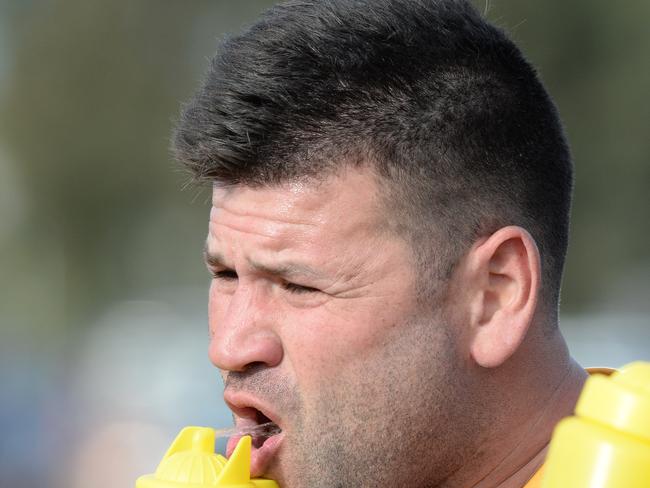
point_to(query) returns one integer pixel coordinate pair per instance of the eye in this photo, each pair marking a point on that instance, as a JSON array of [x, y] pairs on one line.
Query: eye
[[297, 289], [224, 275]]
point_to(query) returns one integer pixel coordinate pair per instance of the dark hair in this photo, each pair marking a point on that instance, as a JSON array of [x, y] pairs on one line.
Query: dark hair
[[441, 103]]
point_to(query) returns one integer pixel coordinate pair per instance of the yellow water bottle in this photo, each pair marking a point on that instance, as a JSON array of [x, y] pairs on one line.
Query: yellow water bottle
[[191, 462], [607, 443]]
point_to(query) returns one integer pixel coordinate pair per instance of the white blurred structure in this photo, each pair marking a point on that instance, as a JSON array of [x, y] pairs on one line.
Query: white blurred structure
[[142, 374], [611, 340]]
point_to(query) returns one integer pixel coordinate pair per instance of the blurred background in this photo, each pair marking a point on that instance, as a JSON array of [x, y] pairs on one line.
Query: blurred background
[[103, 335]]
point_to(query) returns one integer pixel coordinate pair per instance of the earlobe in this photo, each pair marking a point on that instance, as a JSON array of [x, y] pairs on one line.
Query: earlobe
[[506, 269]]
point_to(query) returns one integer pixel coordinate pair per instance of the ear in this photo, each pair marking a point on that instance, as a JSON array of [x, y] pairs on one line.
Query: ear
[[504, 272]]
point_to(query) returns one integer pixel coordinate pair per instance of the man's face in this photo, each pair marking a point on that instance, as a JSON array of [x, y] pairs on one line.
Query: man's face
[[315, 325]]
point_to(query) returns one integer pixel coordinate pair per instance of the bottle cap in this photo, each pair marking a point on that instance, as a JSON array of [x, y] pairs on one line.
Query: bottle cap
[[620, 401], [607, 443]]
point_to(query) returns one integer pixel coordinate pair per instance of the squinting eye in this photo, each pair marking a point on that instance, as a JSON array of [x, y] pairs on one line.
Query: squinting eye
[[293, 288], [225, 275]]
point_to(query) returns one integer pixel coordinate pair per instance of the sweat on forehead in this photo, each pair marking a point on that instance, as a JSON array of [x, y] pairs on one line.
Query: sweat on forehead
[[325, 201], [297, 226]]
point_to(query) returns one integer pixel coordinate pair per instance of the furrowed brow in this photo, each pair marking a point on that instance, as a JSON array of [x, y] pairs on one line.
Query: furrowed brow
[[213, 259], [285, 270]]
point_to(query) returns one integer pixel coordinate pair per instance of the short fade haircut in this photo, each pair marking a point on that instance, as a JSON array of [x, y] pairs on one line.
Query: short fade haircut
[[462, 134]]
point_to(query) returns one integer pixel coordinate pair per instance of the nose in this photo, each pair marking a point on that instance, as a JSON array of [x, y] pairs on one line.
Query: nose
[[242, 332]]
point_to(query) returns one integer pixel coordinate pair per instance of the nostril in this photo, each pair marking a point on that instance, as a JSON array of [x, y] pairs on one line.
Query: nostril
[[254, 367]]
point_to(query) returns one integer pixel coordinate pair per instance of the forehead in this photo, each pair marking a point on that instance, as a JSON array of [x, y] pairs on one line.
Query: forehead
[[346, 204]]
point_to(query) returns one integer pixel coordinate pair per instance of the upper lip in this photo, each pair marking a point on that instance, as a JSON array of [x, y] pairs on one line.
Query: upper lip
[[241, 403]]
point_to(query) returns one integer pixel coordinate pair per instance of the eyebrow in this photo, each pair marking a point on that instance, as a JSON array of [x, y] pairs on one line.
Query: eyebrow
[[287, 269]]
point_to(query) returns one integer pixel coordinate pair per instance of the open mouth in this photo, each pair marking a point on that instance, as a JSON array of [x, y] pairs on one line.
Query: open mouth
[[264, 430], [266, 436]]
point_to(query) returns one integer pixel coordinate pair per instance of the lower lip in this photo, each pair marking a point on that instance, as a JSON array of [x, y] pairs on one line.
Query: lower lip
[[261, 457]]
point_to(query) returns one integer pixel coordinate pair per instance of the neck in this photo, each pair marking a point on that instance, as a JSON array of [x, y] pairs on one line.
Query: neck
[[517, 444], [528, 454]]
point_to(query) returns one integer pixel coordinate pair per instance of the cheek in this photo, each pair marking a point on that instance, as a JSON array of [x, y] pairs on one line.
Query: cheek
[[321, 345]]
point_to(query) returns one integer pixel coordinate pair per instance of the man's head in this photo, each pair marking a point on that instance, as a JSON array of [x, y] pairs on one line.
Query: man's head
[[375, 166]]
